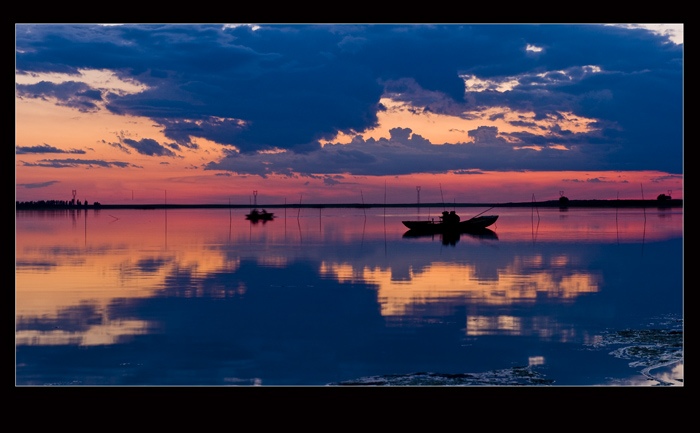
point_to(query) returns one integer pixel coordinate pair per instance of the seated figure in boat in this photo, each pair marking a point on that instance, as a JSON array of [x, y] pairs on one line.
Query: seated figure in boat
[[450, 217]]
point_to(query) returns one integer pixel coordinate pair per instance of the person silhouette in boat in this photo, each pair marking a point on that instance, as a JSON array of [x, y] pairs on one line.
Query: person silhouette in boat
[[450, 217]]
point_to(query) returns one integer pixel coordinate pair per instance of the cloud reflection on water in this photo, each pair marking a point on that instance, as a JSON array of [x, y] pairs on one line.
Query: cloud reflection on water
[[318, 287]]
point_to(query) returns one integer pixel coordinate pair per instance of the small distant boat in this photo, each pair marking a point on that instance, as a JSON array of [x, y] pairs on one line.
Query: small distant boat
[[451, 224], [256, 215]]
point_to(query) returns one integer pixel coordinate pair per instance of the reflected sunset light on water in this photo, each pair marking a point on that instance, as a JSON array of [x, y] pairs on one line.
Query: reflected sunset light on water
[[84, 279]]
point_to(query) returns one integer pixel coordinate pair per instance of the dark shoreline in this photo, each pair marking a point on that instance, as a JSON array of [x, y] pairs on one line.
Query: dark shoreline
[[670, 203]]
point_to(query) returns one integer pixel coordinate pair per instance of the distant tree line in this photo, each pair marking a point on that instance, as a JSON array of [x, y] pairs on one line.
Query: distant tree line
[[53, 203]]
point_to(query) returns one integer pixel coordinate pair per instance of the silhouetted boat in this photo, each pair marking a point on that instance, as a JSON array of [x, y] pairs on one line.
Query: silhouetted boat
[[256, 215], [450, 224]]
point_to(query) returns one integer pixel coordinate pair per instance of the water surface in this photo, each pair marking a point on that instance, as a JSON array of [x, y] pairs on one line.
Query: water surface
[[342, 296]]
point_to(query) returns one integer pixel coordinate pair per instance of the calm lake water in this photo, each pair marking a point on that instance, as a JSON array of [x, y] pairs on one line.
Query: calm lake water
[[342, 297]]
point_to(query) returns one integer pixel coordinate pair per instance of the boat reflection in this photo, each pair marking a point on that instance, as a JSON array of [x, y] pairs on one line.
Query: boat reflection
[[451, 238]]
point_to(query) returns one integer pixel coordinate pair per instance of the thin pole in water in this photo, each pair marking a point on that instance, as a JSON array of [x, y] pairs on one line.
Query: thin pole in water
[[385, 201], [363, 204], [644, 206], [443, 198], [534, 202]]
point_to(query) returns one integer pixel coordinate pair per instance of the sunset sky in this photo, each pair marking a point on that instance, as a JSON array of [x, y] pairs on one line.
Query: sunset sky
[[342, 113]]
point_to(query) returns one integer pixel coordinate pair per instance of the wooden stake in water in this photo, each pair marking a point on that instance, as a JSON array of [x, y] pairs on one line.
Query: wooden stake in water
[[534, 202], [418, 201], [443, 197], [363, 204], [385, 202]]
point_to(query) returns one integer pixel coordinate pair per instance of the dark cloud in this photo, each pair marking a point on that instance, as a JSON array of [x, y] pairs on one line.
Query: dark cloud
[[148, 146], [487, 135], [70, 162], [595, 180], [405, 153], [70, 94], [286, 87], [44, 148], [37, 184]]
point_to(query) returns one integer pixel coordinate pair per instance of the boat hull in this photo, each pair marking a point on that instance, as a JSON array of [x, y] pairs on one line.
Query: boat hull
[[255, 216], [470, 225], [259, 218]]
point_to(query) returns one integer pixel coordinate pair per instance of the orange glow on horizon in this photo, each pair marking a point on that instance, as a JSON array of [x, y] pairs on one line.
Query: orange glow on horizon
[[196, 186]]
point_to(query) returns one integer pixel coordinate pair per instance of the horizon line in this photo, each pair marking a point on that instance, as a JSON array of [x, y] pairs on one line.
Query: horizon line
[[545, 203]]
